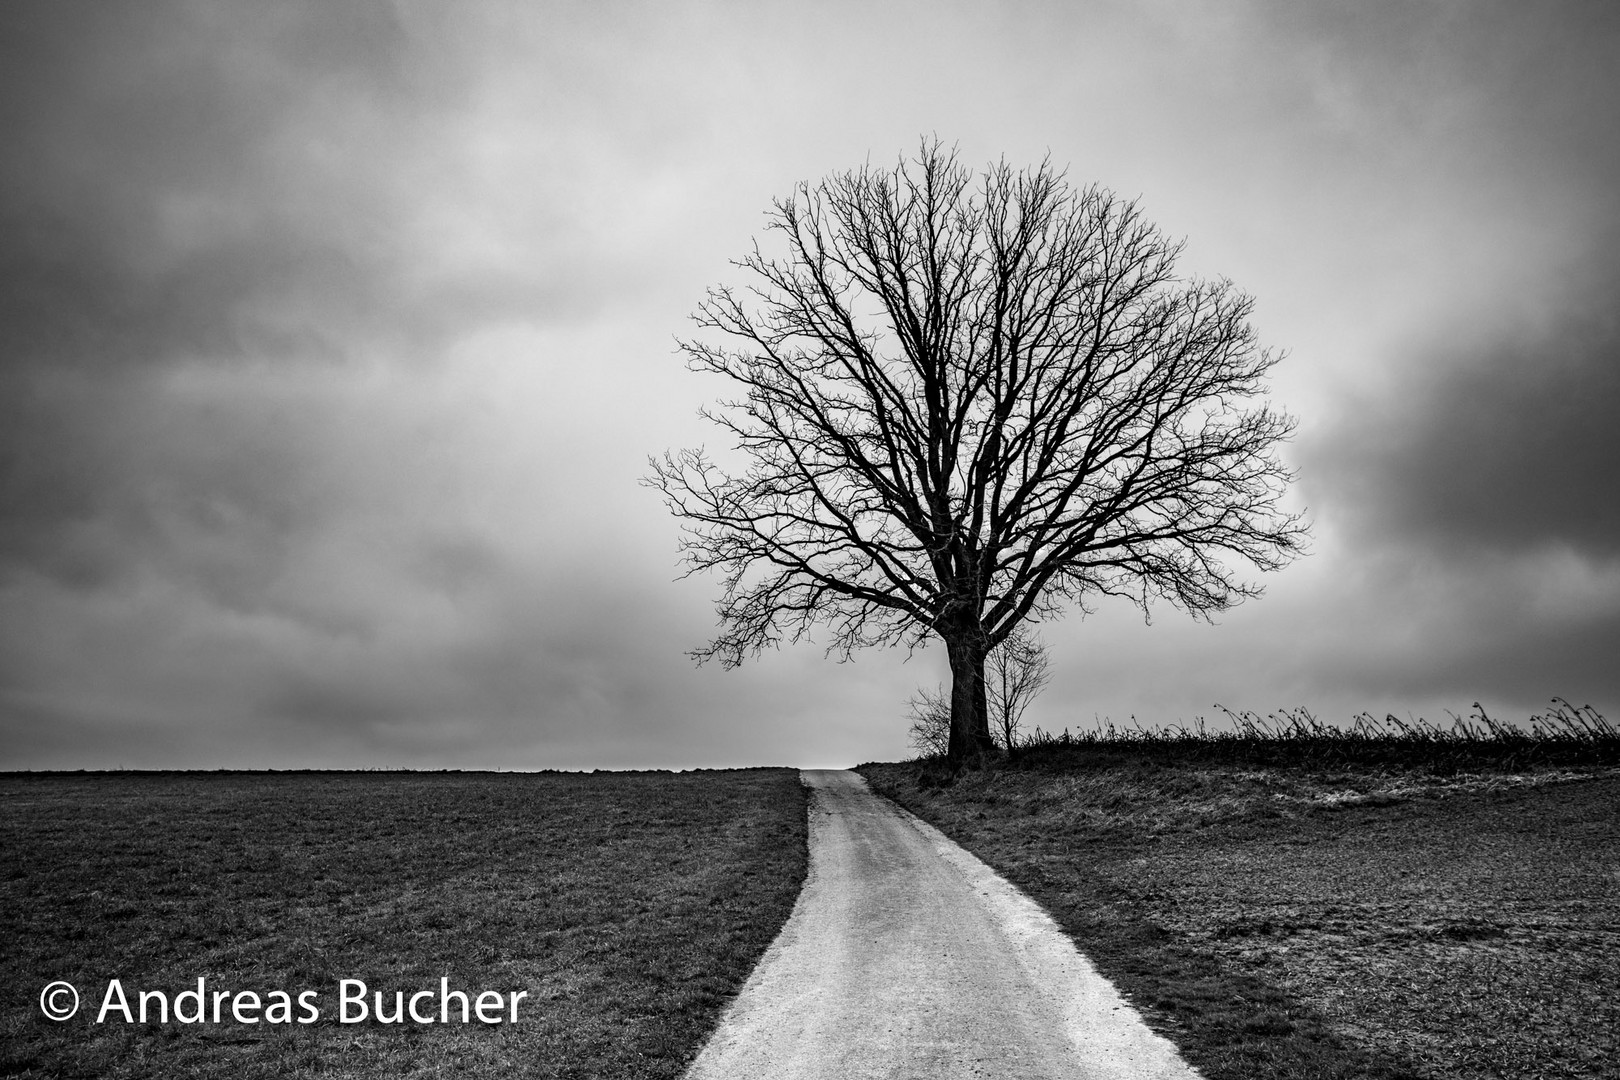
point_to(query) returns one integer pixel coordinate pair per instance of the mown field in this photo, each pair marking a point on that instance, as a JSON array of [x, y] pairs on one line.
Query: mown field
[[629, 907], [1448, 913]]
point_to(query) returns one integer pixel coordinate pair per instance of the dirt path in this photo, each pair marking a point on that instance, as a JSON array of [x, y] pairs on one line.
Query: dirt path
[[907, 957]]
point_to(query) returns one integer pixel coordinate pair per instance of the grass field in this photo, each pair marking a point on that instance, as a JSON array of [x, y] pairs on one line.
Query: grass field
[[1282, 901], [628, 906], [1397, 916]]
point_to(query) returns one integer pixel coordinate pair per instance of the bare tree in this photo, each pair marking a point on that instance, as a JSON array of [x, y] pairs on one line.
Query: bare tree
[[963, 404], [930, 712], [1015, 671]]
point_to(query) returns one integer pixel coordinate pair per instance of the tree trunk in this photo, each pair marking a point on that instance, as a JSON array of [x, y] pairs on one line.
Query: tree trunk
[[970, 716]]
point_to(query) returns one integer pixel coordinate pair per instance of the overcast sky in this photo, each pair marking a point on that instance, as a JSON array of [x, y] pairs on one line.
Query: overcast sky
[[334, 339]]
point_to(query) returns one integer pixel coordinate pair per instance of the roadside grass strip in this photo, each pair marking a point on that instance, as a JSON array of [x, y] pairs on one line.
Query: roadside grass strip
[[616, 913], [1299, 921]]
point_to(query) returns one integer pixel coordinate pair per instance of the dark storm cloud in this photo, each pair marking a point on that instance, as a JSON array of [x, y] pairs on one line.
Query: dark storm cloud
[[162, 174], [1572, 659], [213, 478], [1484, 462], [1513, 447], [189, 188], [1498, 430], [159, 209]]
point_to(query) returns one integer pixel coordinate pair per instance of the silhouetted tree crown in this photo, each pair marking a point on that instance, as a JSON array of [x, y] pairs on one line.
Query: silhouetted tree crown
[[964, 402]]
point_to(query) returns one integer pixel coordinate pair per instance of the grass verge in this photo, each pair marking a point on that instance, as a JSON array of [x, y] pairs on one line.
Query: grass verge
[[629, 906], [1292, 921]]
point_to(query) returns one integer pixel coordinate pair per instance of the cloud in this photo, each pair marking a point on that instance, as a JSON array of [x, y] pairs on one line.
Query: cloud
[[333, 340], [164, 182], [1511, 447], [1467, 468], [165, 209]]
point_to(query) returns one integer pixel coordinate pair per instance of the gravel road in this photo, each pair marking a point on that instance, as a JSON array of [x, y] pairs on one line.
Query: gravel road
[[907, 957]]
